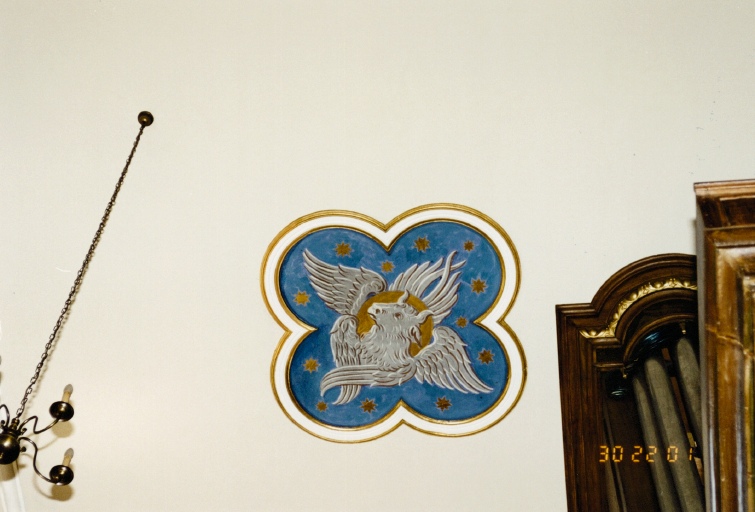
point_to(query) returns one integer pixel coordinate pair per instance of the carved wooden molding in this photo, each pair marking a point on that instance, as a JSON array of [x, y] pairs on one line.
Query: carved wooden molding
[[726, 249], [633, 297]]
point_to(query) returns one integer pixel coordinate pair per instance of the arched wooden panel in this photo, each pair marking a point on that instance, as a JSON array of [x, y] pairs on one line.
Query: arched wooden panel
[[597, 340]]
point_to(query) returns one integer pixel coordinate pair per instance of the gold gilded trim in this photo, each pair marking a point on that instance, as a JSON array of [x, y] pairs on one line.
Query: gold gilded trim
[[639, 293]]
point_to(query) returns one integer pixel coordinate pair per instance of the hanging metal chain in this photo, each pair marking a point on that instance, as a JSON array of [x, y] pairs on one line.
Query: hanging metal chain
[[145, 119]]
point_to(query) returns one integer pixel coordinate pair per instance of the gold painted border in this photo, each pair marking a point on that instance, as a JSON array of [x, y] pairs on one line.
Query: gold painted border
[[385, 228]]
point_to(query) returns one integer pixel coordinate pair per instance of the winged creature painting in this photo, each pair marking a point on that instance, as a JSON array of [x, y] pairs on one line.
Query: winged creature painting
[[387, 335]]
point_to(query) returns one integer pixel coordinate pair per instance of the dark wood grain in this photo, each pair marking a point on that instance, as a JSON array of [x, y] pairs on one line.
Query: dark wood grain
[[584, 358], [726, 250]]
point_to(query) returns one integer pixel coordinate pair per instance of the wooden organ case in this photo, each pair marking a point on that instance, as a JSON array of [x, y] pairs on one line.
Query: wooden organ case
[[654, 419]]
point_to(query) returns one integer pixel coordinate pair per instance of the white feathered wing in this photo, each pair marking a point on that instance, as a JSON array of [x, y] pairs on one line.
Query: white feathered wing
[[445, 363], [344, 290]]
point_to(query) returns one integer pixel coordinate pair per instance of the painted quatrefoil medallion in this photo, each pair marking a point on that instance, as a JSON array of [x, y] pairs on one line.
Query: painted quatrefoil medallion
[[394, 324]]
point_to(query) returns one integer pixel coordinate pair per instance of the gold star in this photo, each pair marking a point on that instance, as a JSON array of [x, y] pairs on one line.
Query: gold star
[[478, 285], [387, 266], [485, 356], [469, 246], [322, 406], [461, 322], [301, 298], [311, 365], [443, 403], [422, 244], [368, 405], [343, 249]]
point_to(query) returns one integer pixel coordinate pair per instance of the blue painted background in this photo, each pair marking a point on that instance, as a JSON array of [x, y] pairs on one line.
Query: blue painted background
[[444, 236]]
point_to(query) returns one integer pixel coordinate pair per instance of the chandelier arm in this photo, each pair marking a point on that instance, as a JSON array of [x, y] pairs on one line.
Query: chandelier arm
[[34, 460], [23, 428], [144, 121], [4, 407]]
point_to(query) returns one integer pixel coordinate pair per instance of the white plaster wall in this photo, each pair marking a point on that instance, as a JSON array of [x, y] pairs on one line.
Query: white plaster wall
[[580, 127]]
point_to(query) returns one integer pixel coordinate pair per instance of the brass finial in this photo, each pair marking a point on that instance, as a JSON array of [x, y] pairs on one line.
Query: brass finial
[[145, 118]]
